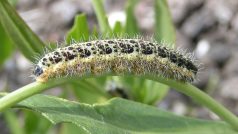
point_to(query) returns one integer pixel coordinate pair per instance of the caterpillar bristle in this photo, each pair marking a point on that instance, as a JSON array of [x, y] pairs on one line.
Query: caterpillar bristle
[[120, 56]]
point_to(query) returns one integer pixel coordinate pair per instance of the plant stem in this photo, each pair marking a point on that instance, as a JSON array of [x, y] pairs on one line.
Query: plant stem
[[204, 99], [195, 93], [25, 92]]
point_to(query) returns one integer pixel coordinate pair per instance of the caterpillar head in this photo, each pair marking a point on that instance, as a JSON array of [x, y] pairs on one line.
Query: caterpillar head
[[41, 72], [37, 71]]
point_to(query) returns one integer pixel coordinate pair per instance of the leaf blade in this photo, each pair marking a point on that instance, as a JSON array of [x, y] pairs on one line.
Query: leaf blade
[[118, 115], [101, 17], [13, 122], [6, 47], [131, 27], [79, 31], [164, 27], [21, 35]]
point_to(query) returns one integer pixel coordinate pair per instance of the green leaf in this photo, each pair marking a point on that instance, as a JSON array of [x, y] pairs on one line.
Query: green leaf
[[142, 90], [20, 34], [120, 116], [131, 27], [101, 16], [153, 92], [95, 31], [68, 128], [6, 47], [13, 2], [164, 31], [89, 91], [34, 124], [79, 31], [118, 29], [13, 122]]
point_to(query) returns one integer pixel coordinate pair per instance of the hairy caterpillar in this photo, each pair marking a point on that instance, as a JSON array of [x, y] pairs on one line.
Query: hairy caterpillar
[[116, 56]]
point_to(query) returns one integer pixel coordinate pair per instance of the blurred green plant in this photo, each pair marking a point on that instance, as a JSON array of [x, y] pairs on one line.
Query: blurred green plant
[[131, 27], [165, 31], [6, 46], [79, 31], [18, 31], [113, 116]]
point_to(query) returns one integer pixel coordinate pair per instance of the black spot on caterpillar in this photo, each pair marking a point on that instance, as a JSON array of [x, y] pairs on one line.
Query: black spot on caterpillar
[[116, 56]]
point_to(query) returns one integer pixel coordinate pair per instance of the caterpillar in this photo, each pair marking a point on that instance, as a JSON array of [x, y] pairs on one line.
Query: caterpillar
[[116, 56]]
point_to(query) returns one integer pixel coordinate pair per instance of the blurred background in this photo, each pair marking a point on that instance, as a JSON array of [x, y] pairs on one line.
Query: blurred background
[[207, 28]]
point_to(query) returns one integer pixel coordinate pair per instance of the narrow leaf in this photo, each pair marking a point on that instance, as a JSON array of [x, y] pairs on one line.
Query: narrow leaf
[[79, 31], [13, 122], [165, 31], [89, 91], [6, 46], [142, 90], [21, 35], [131, 27], [141, 93], [34, 124], [101, 16], [118, 29]]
